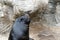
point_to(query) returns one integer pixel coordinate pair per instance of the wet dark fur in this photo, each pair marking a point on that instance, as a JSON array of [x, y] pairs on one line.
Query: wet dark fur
[[20, 29]]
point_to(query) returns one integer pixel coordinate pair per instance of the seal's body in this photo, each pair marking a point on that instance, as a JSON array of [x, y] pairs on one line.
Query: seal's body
[[20, 30]]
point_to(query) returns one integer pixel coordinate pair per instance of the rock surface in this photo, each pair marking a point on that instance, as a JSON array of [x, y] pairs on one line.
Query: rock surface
[[42, 27]]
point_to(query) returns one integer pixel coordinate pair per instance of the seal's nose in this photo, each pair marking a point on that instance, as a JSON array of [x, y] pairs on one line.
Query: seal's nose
[[27, 15]]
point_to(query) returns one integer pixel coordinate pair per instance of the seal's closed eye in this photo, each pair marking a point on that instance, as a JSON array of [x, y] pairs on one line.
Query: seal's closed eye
[[22, 19]]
